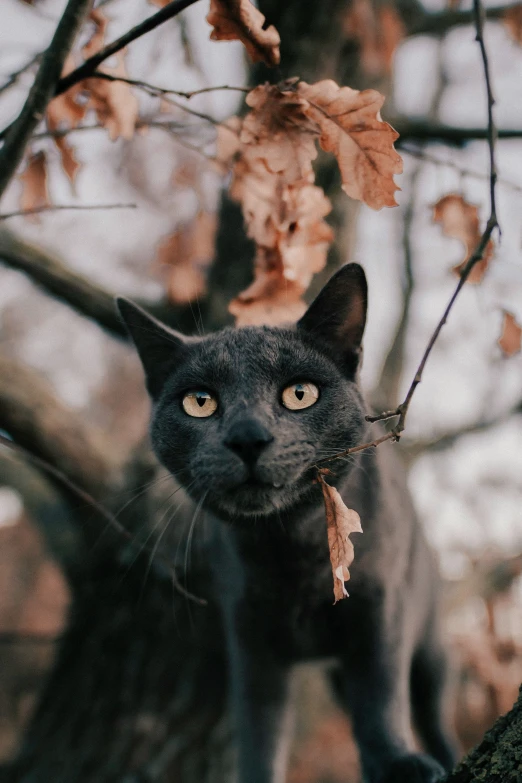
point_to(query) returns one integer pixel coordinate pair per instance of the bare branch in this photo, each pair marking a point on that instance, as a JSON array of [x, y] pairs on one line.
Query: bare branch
[[428, 131], [492, 224], [54, 277], [60, 207], [153, 90], [89, 66], [443, 21], [33, 416], [426, 157], [83, 295], [42, 90]]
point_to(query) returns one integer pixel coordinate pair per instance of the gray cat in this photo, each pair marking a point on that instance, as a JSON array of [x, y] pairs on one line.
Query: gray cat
[[241, 418]]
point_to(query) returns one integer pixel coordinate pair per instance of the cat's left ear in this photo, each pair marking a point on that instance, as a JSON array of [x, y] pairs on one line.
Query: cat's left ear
[[337, 316], [159, 347]]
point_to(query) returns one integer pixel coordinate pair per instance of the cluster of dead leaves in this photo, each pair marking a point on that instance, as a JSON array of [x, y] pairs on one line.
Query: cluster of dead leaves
[[460, 220], [272, 151], [114, 104]]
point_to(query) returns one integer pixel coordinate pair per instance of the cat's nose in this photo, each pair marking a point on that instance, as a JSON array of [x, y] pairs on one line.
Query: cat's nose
[[248, 438]]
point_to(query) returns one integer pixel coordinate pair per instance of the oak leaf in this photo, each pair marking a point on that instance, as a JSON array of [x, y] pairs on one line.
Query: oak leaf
[[351, 128], [460, 220], [227, 143], [341, 522], [510, 341], [187, 254], [239, 20], [512, 18], [279, 130], [34, 183], [270, 300]]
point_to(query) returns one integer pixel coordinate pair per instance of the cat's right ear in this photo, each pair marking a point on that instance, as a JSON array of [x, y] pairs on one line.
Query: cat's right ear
[[159, 347], [337, 316]]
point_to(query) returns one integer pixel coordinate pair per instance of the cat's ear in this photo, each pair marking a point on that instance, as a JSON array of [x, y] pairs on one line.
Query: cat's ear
[[337, 316], [158, 346]]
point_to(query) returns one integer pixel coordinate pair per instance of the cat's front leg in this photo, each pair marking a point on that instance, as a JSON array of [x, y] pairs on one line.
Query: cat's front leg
[[261, 715], [373, 683]]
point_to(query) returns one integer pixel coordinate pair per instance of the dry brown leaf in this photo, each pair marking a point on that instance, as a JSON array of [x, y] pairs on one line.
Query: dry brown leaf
[[188, 253], [341, 521], [34, 183], [227, 144], [270, 300], [239, 20], [510, 341], [280, 132], [512, 19], [351, 128], [115, 105], [378, 31], [97, 39], [460, 220]]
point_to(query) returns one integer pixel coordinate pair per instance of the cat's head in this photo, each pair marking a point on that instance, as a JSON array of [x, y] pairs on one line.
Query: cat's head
[[240, 417]]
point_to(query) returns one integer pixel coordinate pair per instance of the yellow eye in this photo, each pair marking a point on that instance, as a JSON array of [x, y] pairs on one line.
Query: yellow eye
[[300, 395], [199, 404]]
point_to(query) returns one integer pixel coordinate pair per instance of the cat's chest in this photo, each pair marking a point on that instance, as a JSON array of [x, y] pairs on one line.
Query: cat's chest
[[278, 594]]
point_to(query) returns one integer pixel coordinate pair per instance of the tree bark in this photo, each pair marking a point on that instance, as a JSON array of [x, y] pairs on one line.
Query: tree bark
[[498, 758]]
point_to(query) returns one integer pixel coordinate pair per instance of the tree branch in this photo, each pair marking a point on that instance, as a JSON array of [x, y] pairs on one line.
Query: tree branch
[[34, 417], [42, 90], [61, 207], [427, 131], [89, 66], [13, 78], [439, 23], [82, 294]]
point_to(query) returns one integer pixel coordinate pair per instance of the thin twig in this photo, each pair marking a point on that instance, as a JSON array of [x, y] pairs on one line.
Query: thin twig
[[430, 131], [13, 78], [58, 207], [104, 513], [426, 157], [402, 410], [42, 90], [152, 89]]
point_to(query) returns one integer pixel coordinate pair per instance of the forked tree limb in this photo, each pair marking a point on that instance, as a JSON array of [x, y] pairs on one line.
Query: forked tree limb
[[33, 416], [42, 90], [48, 272]]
